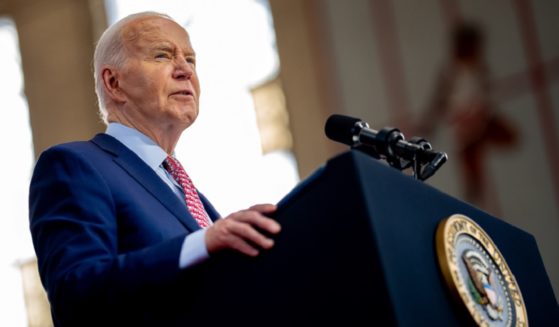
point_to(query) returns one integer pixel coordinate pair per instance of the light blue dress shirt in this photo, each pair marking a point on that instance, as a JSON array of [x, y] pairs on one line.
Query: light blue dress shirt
[[193, 248]]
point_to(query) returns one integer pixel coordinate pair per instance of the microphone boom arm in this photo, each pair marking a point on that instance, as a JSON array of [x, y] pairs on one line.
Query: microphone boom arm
[[389, 144]]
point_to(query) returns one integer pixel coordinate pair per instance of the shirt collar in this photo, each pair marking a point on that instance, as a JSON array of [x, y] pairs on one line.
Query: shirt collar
[[143, 146]]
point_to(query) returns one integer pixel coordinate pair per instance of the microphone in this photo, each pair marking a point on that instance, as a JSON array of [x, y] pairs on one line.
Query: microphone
[[433, 166], [344, 129], [388, 143]]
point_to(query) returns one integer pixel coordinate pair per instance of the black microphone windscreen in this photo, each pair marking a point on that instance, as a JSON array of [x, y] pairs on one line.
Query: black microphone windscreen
[[341, 128]]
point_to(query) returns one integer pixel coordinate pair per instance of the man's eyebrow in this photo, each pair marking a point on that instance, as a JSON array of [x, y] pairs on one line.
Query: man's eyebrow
[[163, 46], [166, 46]]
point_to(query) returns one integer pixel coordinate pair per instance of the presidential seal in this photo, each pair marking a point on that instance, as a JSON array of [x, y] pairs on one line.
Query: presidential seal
[[477, 274]]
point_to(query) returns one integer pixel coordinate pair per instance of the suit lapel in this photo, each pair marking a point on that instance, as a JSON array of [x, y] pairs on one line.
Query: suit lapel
[[146, 177], [212, 212]]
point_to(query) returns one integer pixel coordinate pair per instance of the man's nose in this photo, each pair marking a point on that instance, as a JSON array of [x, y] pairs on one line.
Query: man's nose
[[183, 69]]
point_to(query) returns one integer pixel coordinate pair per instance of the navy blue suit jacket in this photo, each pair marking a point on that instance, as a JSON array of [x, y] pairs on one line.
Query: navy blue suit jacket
[[107, 232]]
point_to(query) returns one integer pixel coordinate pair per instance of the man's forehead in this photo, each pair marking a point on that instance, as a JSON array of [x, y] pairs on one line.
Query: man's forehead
[[149, 29]]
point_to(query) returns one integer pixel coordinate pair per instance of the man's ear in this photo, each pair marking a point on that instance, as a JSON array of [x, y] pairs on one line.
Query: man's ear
[[110, 77]]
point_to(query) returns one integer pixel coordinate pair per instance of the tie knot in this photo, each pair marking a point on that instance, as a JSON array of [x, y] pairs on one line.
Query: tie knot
[[172, 165]]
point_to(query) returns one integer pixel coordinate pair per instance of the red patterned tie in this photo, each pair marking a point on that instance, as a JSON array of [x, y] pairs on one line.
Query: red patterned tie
[[195, 206]]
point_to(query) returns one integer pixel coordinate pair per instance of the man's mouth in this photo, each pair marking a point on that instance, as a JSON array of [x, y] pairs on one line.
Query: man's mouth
[[183, 92]]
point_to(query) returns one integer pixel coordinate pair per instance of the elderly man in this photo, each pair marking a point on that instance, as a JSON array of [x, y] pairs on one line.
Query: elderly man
[[116, 222]]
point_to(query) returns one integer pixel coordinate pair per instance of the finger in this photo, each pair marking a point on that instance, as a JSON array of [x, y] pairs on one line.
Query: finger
[[247, 233], [255, 218], [225, 238], [244, 247], [237, 235], [264, 208]]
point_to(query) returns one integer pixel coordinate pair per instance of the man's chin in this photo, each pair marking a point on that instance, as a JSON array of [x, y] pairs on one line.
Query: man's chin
[[186, 119]]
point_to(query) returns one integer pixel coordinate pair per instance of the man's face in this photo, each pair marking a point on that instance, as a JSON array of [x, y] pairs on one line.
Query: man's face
[[159, 80]]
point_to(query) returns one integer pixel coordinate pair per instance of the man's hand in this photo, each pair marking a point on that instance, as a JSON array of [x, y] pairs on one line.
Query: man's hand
[[240, 231]]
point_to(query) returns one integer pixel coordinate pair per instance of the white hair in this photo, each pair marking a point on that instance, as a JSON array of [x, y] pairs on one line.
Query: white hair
[[110, 50]]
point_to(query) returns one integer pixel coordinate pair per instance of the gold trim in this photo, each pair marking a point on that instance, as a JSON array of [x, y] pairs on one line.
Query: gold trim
[[446, 237]]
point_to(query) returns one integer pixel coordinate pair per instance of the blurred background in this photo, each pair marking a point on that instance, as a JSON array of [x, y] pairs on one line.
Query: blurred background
[[478, 79]]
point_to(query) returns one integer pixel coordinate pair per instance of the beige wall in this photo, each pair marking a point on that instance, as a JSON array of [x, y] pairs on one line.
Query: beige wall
[[305, 61], [56, 40]]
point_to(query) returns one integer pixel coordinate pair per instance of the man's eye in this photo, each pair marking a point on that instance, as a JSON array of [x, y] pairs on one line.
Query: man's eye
[[162, 56], [191, 60]]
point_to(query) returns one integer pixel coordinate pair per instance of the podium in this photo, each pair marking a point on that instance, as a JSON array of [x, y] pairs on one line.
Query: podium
[[357, 248]]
